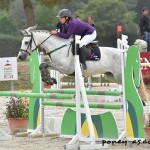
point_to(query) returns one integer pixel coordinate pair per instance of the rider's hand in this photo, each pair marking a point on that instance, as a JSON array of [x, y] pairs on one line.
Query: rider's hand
[[53, 32]]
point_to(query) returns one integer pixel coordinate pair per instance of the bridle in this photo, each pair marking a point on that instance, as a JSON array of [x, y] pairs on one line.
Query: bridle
[[37, 46], [30, 44]]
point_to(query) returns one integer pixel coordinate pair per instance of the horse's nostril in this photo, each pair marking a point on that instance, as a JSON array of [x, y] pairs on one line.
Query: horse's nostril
[[21, 58]]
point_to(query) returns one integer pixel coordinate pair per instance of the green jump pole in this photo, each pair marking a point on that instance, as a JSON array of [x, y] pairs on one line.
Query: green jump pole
[[37, 95], [89, 92], [66, 104]]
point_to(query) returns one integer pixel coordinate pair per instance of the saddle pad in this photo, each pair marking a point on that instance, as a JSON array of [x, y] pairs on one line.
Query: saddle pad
[[94, 55]]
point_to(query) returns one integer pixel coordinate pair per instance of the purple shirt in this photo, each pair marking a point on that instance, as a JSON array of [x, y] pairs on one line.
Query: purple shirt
[[75, 27]]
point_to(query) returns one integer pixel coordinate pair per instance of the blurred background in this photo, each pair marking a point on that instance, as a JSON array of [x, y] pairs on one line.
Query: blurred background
[[108, 14]]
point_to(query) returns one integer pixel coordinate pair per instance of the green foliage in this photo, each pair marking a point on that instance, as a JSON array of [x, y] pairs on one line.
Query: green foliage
[[4, 4], [74, 5], [46, 19], [17, 108], [108, 15], [52, 3], [7, 23], [9, 45], [18, 14]]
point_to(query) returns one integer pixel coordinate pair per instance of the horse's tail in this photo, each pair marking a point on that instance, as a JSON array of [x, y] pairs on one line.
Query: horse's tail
[[144, 94]]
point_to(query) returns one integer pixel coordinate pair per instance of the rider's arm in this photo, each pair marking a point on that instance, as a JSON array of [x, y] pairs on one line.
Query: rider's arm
[[69, 32]]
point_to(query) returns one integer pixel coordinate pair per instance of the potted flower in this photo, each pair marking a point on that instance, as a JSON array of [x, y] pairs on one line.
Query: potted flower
[[147, 127], [17, 114]]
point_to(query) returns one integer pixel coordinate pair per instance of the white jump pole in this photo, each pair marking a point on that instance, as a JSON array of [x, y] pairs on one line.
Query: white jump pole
[[74, 143], [145, 64]]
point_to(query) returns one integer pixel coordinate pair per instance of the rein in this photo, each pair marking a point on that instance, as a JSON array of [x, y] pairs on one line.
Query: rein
[[49, 53], [37, 46]]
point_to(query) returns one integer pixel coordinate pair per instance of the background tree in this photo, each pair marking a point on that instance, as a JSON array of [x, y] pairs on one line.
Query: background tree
[[49, 22], [29, 12], [107, 15]]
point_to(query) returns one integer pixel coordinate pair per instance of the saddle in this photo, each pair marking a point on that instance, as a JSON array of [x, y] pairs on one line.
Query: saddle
[[92, 51]]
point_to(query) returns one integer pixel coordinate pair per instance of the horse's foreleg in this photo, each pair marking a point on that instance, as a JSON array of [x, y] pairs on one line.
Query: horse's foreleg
[[43, 66], [45, 75]]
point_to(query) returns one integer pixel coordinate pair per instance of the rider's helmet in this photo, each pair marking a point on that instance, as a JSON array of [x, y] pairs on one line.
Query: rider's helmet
[[64, 13]]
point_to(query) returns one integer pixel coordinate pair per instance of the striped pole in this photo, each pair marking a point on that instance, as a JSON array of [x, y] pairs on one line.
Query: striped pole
[[91, 105], [37, 95], [62, 84], [89, 92]]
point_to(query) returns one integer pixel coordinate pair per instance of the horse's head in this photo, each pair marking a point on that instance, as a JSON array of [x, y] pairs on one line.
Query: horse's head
[[141, 44], [28, 43]]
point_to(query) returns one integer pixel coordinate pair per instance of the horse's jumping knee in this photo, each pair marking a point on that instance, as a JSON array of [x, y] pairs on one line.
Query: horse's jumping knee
[[43, 66]]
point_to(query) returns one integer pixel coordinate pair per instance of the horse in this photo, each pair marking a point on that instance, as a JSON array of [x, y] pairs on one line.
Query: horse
[[62, 59]]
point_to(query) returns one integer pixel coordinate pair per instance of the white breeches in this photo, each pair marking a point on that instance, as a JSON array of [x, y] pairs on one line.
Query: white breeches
[[87, 39]]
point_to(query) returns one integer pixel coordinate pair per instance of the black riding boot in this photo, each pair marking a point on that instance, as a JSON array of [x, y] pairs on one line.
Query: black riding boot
[[83, 57]]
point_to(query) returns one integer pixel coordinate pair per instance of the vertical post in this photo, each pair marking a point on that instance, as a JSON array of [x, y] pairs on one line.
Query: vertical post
[[41, 99], [85, 101], [89, 81], [12, 85], [123, 64], [78, 101], [58, 79]]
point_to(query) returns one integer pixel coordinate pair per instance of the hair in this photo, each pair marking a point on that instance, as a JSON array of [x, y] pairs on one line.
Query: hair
[[144, 8], [67, 20], [91, 17]]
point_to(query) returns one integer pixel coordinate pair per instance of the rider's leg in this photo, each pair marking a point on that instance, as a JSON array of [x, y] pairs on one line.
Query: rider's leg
[[84, 41], [146, 38], [83, 57]]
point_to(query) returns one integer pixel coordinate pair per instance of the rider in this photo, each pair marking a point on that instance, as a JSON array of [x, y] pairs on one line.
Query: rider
[[74, 27]]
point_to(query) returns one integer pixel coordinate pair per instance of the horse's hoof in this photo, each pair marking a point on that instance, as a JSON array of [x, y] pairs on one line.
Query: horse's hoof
[[43, 66], [48, 80]]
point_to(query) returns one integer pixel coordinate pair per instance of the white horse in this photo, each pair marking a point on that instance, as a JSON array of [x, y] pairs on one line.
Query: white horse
[[63, 60]]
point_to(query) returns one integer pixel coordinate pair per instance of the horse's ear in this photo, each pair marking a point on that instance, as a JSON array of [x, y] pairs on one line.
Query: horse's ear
[[24, 32], [31, 28]]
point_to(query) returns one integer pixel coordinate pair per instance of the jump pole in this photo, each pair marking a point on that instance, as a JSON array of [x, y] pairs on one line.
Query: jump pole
[[37, 95], [88, 92], [63, 84], [91, 105]]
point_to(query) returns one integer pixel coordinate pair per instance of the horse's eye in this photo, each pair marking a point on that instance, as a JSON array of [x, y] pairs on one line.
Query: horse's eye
[[26, 42]]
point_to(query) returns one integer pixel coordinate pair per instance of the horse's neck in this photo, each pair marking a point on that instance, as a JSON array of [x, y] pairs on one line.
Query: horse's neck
[[62, 58], [52, 42]]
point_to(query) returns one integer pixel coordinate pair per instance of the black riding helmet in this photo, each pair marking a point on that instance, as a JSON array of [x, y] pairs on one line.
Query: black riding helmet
[[64, 13]]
